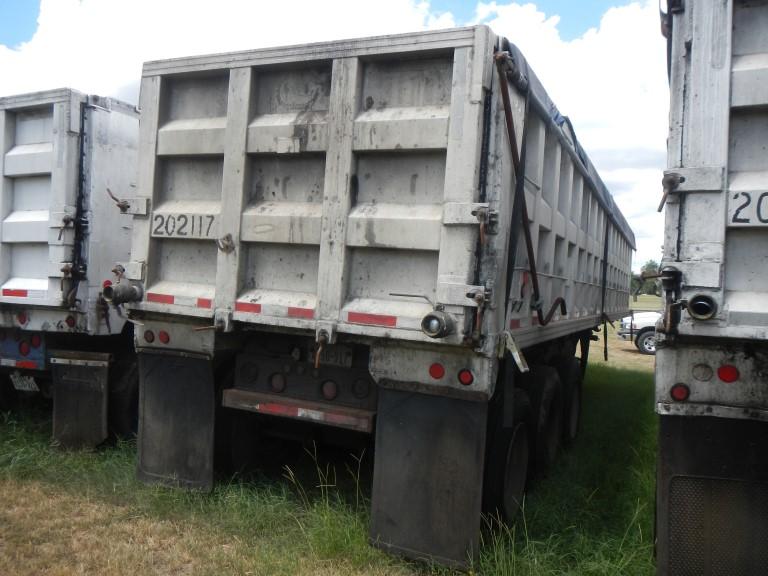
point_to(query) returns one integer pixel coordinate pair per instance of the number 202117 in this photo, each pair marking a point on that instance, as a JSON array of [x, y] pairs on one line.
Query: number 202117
[[184, 225], [748, 209]]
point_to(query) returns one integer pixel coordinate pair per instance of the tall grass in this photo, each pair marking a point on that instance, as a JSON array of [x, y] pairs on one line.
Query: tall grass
[[592, 515]]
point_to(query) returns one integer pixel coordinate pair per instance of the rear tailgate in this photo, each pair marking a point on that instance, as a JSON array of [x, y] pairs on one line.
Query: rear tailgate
[[38, 192], [325, 187]]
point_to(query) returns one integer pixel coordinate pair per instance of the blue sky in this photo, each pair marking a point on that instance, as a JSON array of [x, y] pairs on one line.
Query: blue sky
[[576, 16], [18, 18]]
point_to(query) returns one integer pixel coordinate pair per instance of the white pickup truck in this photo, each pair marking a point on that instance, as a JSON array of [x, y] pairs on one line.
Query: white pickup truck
[[641, 329]]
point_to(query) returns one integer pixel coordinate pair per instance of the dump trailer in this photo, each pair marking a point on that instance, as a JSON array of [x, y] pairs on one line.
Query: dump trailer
[[64, 156], [341, 234], [712, 357]]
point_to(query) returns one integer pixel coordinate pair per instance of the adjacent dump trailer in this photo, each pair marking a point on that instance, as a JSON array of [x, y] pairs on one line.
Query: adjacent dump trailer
[[712, 357], [342, 234], [63, 154]]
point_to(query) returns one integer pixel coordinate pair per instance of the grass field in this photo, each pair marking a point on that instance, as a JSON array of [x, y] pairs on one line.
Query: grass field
[[83, 513]]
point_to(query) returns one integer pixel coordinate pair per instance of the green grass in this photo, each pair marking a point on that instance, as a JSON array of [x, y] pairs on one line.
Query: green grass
[[645, 302], [593, 515]]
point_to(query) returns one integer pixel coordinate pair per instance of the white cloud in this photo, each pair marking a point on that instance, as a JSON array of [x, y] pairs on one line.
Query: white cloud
[[611, 81]]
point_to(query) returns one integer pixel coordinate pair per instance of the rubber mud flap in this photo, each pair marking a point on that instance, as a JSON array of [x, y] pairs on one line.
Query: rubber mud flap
[[80, 392], [176, 420], [428, 474], [712, 497]]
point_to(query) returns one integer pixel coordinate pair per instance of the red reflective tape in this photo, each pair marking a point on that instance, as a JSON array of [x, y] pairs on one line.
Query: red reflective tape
[[26, 364], [14, 293], [295, 312], [248, 307], [374, 319], [204, 303], [514, 323], [277, 409], [159, 298]]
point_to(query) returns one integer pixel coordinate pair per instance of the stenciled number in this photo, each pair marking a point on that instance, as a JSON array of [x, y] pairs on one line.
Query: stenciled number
[[183, 220], [158, 221], [748, 200], [759, 208], [169, 224]]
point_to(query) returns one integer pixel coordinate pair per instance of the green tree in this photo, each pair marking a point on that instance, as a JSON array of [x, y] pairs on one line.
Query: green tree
[[650, 286]]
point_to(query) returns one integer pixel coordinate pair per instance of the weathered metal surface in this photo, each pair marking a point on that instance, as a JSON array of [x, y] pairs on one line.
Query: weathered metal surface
[[60, 151], [349, 188]]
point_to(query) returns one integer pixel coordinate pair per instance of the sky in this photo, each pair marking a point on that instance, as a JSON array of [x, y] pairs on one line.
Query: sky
[[602, 61]]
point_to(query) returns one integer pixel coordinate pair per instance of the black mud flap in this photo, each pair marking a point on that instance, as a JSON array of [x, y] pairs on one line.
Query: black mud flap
[[177, 403], [428, 474], [80, 392], [712, 497]]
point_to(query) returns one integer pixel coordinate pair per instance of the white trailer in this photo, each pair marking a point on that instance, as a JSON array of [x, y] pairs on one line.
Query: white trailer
[[712, 359], [333, 237], [60, 234]]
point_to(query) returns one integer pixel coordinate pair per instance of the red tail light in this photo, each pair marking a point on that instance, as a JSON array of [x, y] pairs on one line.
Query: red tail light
[[70, 320], [36, 340], [149, 336], [437, 371], [164, 336], [24, 348], [680, 392], [728, 373], [466, 377]]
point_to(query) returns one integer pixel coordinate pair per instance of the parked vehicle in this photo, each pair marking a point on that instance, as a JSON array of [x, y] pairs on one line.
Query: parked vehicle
[[711, 357], [62, 153], [336, 236], [640, 327]]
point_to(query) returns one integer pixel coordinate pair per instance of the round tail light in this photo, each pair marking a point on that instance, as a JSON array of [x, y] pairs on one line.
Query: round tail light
[[466, 377], [277, 382], [680, 392], [437, 371], [164, 337], [728, 373], [35, 340], [24, 348], [330, 390], [149, 336]]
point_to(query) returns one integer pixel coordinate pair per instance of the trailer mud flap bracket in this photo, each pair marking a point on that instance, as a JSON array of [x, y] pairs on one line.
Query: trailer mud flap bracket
[[176, 420], [80, 393], [428, 470]]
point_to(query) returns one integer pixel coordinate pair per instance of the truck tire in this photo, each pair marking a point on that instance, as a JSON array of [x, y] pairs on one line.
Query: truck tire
[[546, 419], [123, 401], [506, 468], [572, 388], [646, 341]]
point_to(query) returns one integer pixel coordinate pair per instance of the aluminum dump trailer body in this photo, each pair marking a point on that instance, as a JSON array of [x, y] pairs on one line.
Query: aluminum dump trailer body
[[358, 196], [711, 389], [60, 232]]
